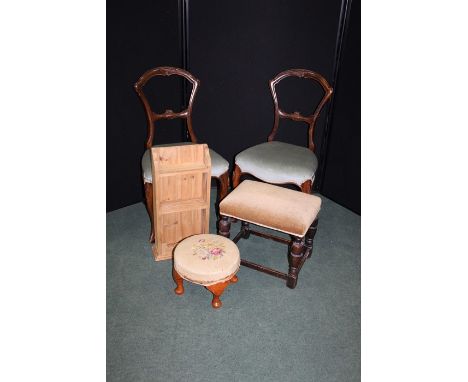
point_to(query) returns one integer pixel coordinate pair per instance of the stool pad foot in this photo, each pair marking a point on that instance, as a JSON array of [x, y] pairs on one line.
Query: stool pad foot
[[217, 290], [179, 290]]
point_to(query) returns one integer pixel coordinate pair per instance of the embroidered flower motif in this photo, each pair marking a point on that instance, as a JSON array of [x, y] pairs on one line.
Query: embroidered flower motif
[[208, 249], [216, 251]]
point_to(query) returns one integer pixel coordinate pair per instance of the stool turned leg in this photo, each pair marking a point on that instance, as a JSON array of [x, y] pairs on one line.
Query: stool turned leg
[[294, 258], [224, 226], [245, 230], [179, 281], [309, 239], [217, 290]]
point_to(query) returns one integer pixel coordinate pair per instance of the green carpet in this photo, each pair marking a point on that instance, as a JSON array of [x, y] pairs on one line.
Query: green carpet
[[264, 331]]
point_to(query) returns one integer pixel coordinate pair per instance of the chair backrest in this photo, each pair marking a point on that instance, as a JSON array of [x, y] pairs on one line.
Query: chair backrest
[[296, 116], [151, 116]]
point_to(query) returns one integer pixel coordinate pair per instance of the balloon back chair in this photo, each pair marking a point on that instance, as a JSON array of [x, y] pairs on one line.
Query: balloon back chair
[[283, 163], [219, 166]]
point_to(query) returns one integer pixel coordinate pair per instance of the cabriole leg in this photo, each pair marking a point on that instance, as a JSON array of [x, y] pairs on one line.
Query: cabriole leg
[[223, 186], [179, 281], [149, 207], [234, 279], [217, 290], [236, 176], [306, 187]]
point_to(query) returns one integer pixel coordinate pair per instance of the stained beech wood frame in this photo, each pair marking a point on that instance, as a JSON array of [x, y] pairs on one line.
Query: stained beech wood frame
[[296, 116], [152, 118], [311, 119]]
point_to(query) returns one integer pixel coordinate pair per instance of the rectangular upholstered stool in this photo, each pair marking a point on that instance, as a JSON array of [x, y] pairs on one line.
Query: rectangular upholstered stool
[[277, 208]]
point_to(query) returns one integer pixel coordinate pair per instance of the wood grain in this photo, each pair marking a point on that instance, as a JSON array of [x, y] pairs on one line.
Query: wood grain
[[311, 119], [296, 116], [152, 118], [181, 197]]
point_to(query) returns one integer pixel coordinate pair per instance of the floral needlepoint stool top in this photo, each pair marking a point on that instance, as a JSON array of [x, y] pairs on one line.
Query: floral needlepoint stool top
[[208, 248], [208, 260]]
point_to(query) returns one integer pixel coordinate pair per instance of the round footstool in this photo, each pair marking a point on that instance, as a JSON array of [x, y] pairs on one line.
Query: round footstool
[[208, 260]]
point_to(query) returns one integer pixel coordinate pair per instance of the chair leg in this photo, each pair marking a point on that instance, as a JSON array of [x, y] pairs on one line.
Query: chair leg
[[224, 226], [236, 175], [149, 207], [179, 281], [223, 185], [309, 238], [306, 187], [294, 259], [217, 290]]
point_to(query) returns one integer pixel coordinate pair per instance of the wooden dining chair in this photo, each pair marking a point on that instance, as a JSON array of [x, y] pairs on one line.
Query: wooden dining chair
[[219, 166], [279, 162]]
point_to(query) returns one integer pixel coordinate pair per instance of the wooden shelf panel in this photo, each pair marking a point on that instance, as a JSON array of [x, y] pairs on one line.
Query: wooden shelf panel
[[183, 205], [185, 168], [181, 195]]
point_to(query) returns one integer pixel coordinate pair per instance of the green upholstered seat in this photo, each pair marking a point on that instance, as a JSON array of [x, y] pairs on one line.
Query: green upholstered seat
[[219, 165], [278, 162]]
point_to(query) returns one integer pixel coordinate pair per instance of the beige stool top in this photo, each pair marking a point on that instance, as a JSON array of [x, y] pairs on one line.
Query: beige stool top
[[272, 207], [206, 259]]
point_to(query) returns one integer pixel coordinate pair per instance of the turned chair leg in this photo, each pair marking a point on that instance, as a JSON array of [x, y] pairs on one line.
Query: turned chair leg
[[217, 290], [149, 207], [309, 238], [224, 226], [294, 259], [179, 281]]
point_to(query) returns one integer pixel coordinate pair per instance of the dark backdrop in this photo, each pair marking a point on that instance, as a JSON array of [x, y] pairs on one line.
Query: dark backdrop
[[235, 49], [342, 180], [140, 35]]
